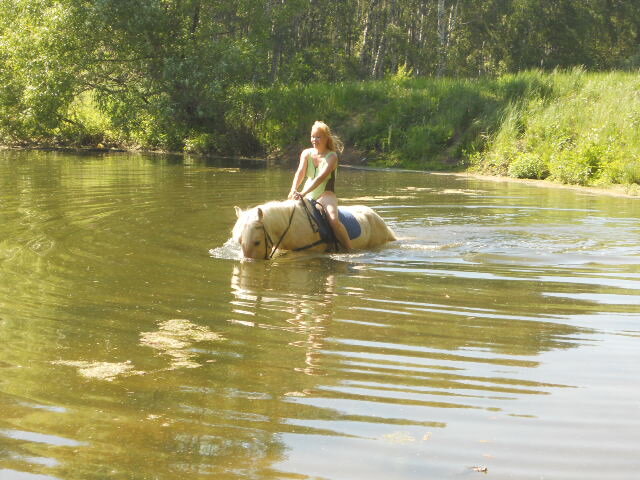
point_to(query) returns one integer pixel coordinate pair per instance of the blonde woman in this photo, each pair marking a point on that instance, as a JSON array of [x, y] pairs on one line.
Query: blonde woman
[[318, 165]]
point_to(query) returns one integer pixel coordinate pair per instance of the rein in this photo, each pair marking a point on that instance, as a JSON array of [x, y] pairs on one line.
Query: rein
[[313, 222], [268, 255], [315, 226]]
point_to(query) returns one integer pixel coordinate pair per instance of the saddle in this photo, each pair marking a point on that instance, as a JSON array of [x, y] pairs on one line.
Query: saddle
[[322, 226]]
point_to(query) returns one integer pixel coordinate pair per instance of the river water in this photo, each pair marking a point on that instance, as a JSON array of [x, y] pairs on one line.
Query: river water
[[498, 337]]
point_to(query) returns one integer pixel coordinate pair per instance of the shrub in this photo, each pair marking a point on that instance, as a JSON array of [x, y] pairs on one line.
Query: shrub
[[569, 166], [621, 170], [200, 143], [632, 172], [528, 165]]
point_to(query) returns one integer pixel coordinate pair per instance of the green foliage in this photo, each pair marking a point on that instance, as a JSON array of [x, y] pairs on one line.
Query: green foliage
[[249, 77], [422, 123], [568, 166], [528, 165], [582, 128]]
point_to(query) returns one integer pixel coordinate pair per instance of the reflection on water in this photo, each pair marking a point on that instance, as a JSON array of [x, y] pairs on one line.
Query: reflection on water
[[310, 290], [174, 339], [498, 335]]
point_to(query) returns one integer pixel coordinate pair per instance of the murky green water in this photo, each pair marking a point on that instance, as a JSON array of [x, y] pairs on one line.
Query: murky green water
[[502, 331]]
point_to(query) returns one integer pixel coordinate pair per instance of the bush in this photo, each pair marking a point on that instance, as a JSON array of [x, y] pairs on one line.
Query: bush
[[621, 170], [528, 165], [569, 166], [631, 172], [200, 143]]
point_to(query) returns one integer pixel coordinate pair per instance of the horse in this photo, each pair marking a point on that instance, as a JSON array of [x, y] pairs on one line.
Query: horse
[[294, 225]]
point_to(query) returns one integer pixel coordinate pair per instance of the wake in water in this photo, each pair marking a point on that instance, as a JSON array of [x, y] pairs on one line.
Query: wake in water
[[229, 251], [232, 251]]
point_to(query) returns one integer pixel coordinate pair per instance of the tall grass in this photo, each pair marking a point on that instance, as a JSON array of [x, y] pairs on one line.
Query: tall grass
[[405, 122], [584, 130], [572, 127]]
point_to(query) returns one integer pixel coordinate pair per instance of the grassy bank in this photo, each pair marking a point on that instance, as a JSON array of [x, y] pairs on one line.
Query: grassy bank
[[577, 128], [572, 127]]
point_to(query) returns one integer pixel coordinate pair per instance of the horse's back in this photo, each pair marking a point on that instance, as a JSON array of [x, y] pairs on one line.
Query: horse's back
[[374, 229]]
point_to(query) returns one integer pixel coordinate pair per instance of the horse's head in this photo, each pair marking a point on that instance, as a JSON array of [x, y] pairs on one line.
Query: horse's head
[[250, 233]]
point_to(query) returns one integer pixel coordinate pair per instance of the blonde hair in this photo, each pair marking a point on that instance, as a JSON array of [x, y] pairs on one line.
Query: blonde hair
[[333, 141]]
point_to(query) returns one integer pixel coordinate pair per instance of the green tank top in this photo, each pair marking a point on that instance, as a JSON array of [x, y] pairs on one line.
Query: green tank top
[[312, 172]]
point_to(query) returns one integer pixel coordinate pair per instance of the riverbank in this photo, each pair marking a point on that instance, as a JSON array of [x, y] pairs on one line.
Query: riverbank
[[628, 191], [574, 128]]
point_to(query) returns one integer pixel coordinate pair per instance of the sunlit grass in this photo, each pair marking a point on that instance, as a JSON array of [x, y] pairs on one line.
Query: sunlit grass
[[570, 126], [574, 127], [584, 132]]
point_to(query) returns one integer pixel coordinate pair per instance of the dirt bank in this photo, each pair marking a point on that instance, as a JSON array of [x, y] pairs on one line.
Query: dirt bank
[[630, 191]]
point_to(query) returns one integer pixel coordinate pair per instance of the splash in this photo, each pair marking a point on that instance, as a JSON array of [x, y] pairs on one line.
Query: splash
[[230, 251]]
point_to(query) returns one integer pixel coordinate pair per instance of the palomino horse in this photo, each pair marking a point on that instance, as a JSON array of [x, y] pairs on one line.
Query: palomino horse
[[294, 225]]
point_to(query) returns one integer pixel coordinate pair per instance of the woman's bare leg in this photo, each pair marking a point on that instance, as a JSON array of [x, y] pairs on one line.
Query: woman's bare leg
[[330, 204]]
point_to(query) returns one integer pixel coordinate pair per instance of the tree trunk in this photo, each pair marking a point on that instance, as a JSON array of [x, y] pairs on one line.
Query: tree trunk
[[377, 64], [275, 60], [366, 32], [442, 38]]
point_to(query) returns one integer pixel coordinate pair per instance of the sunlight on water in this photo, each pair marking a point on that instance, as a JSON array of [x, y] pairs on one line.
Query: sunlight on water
[[498, 336]]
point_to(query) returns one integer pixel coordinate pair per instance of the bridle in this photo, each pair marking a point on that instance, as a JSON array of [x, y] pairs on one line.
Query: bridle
[[267, 238], [267, 242], [270, 247]]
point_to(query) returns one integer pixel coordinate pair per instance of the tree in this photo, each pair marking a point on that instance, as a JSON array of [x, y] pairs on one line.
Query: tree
[[163, 71]]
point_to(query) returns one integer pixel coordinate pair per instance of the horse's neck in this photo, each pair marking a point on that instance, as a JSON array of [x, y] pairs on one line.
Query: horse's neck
[[300, 233], [276, 221]]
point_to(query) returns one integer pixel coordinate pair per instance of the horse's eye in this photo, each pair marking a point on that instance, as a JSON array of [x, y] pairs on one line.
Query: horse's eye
[[256, 243]]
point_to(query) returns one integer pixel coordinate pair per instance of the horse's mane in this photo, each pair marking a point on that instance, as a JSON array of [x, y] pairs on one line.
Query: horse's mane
[[276, 213], [276, 216]]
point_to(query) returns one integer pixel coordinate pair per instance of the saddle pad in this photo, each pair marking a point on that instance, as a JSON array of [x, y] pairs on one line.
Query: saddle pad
[[350, 223], [346, 217]]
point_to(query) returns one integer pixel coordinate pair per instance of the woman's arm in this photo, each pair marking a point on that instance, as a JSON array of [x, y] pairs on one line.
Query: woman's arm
[[299, 175]]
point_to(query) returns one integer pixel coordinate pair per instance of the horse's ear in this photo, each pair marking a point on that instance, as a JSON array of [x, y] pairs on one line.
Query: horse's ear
[[238, 212], [260, 214]]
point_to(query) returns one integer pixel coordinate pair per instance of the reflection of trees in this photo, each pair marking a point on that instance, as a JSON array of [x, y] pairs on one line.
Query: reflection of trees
[[305, 292], [79, 283], [80, 280]]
